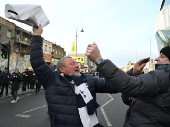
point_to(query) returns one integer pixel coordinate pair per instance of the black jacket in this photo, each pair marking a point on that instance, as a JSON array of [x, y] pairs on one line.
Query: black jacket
[[59, 92], [151, 107], [0, 76], [5, 77], [31, 76], [26, 76], [16, 79]]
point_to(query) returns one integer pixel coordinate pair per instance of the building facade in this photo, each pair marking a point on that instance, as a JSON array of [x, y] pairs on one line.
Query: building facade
[[20, 40], [163, 25], [128, 66], [57, 51], [47, 50]]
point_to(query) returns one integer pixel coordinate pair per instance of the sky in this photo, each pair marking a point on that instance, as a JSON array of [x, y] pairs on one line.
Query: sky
[[124, 30]]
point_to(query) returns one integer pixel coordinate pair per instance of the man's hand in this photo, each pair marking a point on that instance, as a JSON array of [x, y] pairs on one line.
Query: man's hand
[[92, 52], [37, 31], [138, 66]]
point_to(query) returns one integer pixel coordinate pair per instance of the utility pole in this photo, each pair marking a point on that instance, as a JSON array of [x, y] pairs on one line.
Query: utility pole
[[76, 44], [76, 41], [150, 55], [9, 49], [150, 47]]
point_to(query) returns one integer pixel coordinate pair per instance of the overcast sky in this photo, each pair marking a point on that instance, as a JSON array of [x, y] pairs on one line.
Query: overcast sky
[[123, 29]]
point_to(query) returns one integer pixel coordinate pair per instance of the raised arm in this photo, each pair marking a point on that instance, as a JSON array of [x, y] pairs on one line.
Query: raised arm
[[145, 85], [42, 71]]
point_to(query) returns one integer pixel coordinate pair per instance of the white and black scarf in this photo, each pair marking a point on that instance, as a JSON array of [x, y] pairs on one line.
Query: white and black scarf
[[85, 103]]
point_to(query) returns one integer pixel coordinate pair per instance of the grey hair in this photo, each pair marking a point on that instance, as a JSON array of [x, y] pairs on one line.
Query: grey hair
[[61, 62]]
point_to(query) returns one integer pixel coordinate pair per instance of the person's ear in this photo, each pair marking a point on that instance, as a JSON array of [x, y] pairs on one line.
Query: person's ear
[[169, 62], [62, 70]]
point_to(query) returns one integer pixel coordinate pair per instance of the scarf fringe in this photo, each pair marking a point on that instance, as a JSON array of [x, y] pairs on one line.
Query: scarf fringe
[[92, 106], [98, 125]]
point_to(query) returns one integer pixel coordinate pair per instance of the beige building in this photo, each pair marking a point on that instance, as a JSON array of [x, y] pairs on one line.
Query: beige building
[[47, 50], [7, 32], [20, 40], [128, 66], [57, 51]]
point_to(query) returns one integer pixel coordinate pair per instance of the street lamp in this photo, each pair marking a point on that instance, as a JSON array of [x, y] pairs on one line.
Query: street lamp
[[76, 41]]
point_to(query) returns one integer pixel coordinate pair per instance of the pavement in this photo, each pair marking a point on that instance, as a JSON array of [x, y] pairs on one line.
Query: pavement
[[20, 92]]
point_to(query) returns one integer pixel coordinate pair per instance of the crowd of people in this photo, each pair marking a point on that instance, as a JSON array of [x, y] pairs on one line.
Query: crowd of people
[[15, 81]]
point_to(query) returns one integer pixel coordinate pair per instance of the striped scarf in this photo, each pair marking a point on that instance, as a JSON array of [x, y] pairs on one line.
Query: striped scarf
[[85, 103]]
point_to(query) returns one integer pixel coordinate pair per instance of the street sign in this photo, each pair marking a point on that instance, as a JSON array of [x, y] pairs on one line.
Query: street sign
[[79, 59]]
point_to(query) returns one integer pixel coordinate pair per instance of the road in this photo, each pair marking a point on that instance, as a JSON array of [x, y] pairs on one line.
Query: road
[[31, 111]]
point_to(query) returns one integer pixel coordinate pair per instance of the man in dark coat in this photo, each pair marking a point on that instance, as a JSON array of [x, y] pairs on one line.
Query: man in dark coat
[[37, 86], [5, 79], [151, 106], [64, 102], [16, 79], [26, 80], [32, 79]]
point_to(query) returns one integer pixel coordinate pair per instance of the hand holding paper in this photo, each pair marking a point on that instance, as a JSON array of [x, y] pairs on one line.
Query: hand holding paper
[[37, 30]]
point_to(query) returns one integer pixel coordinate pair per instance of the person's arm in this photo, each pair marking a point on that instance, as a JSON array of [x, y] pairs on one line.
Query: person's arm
[[10, 76], [20, 77], [144, 85], [101, 85], [104, 87], [41, 69]]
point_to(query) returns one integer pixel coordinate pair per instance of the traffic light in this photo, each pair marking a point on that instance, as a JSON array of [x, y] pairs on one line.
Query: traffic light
[[5, 49]]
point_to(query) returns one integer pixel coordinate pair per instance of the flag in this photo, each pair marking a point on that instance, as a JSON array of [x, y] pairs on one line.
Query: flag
[[73, 46]]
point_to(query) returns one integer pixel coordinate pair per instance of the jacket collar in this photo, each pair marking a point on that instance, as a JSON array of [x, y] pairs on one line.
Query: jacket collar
[[163, 66]]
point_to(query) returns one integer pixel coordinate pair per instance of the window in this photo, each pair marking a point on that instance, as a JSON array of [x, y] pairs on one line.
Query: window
[[49, 49], [162, 38], [56, 52], [45, 48], [18, 37], [26, 39], [9, 33], [52, 52]]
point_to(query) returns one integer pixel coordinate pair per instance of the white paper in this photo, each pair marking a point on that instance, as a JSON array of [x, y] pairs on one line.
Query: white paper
[[30, 14]]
